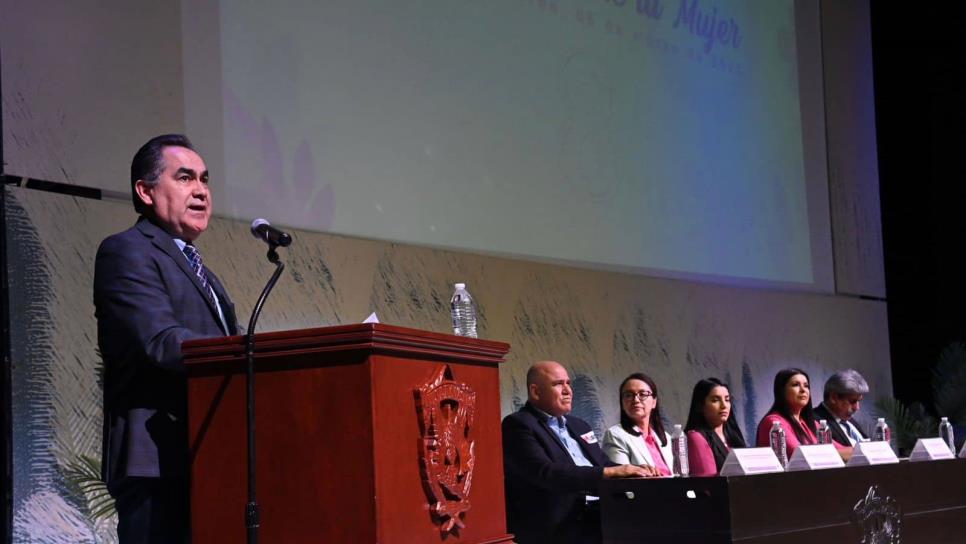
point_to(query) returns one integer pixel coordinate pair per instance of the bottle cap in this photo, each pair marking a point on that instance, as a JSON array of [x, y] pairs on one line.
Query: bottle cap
[[776, 424], [459, 285], [944, 419], [880, 420], [677, 427], [822, 422]]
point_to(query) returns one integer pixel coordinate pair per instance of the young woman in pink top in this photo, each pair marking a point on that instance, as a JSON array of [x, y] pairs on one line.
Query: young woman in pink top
[[712, 428], [792, 409]]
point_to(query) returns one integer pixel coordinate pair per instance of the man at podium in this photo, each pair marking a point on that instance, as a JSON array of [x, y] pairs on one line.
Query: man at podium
[[554, 464], [151, 293]]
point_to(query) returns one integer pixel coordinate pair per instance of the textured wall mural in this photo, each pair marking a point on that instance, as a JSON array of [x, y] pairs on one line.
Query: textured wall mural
[[601, 325]]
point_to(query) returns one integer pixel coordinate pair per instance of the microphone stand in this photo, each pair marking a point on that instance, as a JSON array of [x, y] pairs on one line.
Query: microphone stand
[[252, 521]]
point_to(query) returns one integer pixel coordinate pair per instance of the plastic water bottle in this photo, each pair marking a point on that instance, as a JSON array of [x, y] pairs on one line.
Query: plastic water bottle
[[463, 311], [946, 433], [882, 432], [679, 445], [776, 439], [824, 433]]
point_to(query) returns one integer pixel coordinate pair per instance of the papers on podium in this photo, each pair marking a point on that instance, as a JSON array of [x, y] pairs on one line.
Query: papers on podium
[[814, 457], [744, 461], [872, 453], [930, 449]]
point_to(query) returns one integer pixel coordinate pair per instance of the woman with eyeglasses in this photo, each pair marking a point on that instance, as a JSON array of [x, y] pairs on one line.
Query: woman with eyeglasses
[[712, 428], [640, 438]]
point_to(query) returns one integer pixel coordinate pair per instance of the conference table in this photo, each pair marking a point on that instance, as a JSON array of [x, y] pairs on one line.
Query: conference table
[[924, 502]]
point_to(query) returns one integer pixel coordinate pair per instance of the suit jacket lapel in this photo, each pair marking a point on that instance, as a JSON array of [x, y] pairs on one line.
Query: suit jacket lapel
[[581, 443], [227, 306], [585, 447], [641, 448], [163, 241], [838, 433], [542, 421]]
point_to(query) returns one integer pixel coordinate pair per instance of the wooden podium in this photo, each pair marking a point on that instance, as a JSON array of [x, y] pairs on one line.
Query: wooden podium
[[365, 433]]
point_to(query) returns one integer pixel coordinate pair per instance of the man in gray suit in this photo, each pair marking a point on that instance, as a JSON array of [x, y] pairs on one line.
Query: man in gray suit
[[151, 293], [843, 395]]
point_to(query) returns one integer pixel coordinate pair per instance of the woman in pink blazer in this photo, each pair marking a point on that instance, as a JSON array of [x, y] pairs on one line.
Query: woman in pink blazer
[[792, 409], [712, 428]]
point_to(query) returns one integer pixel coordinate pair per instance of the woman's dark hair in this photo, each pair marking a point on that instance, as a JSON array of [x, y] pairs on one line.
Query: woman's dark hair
[[655, 420], [698, 423], [781, 407], [148, 162]]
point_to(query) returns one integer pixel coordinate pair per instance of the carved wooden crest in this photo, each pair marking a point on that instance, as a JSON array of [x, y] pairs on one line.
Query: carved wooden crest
[[878, 517], [445, 408]]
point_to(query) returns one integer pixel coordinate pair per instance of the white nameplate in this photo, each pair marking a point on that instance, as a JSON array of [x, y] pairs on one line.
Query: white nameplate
[[814, 457], [742, 461], [872, 453], [930, 449]]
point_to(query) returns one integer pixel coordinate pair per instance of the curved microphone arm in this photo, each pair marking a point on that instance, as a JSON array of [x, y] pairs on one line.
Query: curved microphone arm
[[279, 266], [252, 521]]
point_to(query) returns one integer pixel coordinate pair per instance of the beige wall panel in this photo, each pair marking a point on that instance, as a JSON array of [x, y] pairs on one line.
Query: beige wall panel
[[86, 82], [852, 157]]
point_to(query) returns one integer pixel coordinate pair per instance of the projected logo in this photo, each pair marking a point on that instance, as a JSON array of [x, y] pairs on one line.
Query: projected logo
[[447, 455]]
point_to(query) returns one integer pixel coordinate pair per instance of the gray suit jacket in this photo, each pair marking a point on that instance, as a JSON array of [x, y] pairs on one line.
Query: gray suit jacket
[[147, 302], [622, 447]]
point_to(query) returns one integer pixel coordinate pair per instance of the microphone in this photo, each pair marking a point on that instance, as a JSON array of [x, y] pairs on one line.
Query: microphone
[[263, 230]]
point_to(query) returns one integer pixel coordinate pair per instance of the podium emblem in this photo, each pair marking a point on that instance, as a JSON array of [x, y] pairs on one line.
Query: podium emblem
[[447, 455], [878, 517]]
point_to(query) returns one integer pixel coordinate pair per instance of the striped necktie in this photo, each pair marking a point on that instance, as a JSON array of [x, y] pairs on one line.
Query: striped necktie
[[194, 258]]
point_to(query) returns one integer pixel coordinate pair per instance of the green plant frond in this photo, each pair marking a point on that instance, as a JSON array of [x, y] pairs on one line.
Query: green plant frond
[[103, 512], [83, 465], [100, 500], [908, 423], [82, 475]]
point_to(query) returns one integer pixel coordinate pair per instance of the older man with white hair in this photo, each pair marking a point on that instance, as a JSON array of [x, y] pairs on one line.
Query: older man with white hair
[[843, 395]]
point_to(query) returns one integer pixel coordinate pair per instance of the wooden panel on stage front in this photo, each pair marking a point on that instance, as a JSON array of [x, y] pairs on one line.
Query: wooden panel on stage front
[[792, 507]]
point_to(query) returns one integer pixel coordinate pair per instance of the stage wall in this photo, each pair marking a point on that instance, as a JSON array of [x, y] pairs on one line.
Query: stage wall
[[601, 325]]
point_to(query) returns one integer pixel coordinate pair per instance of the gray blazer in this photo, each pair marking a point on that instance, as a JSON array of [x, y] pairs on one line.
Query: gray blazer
[[622, 447]]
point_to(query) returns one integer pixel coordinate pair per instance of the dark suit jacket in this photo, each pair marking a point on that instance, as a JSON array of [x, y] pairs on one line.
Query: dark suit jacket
[[838, 433], [147, 302], [545, 490]]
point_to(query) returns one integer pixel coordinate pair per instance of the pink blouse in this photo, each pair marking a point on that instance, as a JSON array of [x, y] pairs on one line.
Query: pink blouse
[[651, 443], [700, 456], [791, 441]]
